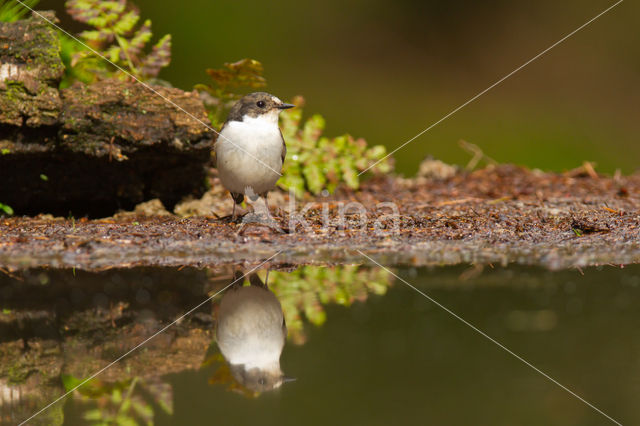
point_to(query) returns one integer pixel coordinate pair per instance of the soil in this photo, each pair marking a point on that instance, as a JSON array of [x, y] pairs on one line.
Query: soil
[[502, 215]]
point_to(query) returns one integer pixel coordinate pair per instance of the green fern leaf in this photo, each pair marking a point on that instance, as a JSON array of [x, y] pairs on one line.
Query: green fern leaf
[[140, 38], [11, 11], [114, 53], [321, 162], [93, 35], [115, 37], [126, 22], [159, 57]]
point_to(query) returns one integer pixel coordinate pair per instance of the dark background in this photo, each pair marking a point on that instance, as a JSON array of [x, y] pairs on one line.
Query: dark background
[[386, 70]]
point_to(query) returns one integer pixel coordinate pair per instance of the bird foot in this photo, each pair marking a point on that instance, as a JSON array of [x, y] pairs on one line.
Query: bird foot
[[231, 219], [259, 219]]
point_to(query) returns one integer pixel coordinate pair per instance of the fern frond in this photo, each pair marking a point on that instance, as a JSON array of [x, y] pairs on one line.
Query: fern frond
[[159, 57], [244, 73], [117, 35], [96, 35], [126, 22], [315, 162], [140, 38], [225, 82], [11, 10], [114, 53]]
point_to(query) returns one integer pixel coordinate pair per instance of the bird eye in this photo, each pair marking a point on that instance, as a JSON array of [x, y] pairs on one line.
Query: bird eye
[[260, 104]]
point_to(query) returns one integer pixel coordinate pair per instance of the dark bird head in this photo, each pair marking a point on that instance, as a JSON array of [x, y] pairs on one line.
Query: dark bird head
[[257, 104], [259, 379]]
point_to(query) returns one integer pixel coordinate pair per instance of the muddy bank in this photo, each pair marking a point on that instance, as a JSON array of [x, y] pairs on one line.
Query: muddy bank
[[493, 216]]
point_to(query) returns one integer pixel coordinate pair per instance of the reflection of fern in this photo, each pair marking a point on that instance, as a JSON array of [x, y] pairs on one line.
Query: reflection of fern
[[117, 36], [11, 10], [304, 291], [5, 209], [121, 402]]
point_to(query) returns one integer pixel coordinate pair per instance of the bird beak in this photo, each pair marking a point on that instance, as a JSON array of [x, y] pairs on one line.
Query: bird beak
[[288, 379], [285, 106]]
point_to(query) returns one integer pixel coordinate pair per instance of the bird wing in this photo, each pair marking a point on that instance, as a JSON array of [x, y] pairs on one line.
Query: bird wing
[[284, 147], [220, 131], [214, 155]]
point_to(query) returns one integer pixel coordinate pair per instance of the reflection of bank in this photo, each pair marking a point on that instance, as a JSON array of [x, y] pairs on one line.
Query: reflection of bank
[[19, 401], [59, 326], [251, 333]]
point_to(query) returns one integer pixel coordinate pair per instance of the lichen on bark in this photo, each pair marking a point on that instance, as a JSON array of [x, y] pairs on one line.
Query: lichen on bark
[[30, 71]]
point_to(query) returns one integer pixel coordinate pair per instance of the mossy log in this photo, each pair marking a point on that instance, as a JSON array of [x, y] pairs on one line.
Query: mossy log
[[90, 149], [30, 70]]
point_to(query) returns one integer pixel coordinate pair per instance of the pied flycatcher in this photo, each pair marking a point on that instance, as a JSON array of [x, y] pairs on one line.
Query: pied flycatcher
[[250, 149], [251, 333]]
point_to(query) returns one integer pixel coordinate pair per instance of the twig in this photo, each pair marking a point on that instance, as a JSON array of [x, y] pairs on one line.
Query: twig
[[477, 153], [458, 201], [588, 168], [10, 275]]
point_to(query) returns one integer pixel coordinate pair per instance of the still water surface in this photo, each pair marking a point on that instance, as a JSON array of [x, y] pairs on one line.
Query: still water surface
[[363, 347]]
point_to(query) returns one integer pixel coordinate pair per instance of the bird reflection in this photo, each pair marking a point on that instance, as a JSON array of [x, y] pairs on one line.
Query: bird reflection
[[251, 333]]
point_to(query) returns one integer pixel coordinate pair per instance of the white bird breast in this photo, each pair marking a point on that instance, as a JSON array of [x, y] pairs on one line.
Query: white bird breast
[[239, 147], [250, 328]]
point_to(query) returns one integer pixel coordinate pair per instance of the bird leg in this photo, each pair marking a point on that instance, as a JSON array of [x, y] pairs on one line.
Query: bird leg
[[266, 205], [255, 280], [259, 217], [237, 199], [238, 279]]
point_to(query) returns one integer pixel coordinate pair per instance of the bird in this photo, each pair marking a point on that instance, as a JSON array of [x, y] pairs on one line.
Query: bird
[[251, 333], [250, 149]]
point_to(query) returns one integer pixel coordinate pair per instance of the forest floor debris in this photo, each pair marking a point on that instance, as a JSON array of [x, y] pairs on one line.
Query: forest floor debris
[[500, 214]]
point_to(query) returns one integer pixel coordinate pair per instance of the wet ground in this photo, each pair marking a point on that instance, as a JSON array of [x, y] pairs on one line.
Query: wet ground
[[137, 314], [364, 347], [497, 215]]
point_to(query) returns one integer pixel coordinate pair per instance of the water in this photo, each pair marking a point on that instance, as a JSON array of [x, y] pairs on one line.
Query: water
[[364, 347]]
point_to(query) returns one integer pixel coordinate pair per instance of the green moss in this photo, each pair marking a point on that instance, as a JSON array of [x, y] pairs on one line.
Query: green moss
[[48, 44], [72, 122], [17, 373], [42, 51], [14, 93], [15, 85]]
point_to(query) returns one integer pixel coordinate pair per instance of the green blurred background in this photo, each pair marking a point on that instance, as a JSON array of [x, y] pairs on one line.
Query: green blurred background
[[386, 70]]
